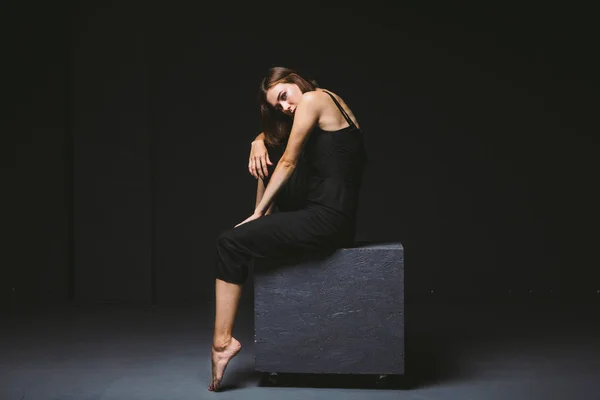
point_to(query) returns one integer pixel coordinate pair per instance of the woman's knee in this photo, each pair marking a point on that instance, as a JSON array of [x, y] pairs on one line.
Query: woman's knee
[[225, 238], [231, 262]]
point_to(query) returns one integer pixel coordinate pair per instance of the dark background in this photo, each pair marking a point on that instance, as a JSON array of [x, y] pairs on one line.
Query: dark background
[[127, 130]]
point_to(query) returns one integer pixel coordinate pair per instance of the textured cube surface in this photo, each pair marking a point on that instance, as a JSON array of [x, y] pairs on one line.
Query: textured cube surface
[[338, 313]]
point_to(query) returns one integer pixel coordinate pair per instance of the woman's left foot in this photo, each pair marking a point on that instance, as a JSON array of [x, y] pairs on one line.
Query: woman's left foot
[[220, 359]]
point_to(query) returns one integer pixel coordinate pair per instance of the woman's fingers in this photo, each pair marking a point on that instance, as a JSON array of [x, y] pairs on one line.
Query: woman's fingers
[[263, 165], [253, 168], [250, 166], [258, 167]]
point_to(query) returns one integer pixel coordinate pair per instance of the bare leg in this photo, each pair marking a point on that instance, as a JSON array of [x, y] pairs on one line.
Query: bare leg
[[225, 346]]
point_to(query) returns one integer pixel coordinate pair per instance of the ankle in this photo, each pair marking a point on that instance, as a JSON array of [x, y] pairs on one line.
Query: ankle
[[221, 343]]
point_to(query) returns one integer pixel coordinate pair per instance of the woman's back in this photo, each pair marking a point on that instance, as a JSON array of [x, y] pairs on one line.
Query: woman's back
[[332, 118], [336, 160]]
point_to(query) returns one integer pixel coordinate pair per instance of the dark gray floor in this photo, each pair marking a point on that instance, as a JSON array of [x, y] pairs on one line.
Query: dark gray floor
[[455, 350]]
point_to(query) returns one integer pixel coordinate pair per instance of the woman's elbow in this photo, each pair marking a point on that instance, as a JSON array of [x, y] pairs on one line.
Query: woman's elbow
[[287, 163]]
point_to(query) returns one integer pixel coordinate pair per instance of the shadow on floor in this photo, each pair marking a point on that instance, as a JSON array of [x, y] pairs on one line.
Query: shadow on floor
[[333, 381]]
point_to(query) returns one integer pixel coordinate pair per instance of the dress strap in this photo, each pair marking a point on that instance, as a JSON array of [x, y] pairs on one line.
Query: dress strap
[[348, 119]]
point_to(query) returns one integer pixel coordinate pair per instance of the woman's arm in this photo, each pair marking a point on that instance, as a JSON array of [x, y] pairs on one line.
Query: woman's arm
[[306, 117], [260, 191]]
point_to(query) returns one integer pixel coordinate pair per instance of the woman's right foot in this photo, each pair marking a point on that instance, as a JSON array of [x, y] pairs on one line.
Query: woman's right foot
[[220, 358]]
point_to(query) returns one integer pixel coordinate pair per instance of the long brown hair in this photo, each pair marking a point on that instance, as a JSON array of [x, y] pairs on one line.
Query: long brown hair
[[276, 125]]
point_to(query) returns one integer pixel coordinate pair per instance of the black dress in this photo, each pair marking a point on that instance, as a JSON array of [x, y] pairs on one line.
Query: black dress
[[317, 206]]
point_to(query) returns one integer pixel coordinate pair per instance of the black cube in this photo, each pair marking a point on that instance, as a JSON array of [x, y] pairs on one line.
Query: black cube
[[342, 312]]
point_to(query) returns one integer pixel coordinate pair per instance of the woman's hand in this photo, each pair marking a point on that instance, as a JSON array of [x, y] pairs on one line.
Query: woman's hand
[[251, 218], [259, 159]]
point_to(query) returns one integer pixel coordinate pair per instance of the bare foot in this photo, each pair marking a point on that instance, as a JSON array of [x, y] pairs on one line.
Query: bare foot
[[220, 359]]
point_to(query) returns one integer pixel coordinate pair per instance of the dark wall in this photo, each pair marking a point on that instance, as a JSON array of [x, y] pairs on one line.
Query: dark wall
[[35, 154], [112, 164], [475, 120]]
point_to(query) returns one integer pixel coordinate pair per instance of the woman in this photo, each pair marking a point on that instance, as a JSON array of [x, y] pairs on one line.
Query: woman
[[315, 185]]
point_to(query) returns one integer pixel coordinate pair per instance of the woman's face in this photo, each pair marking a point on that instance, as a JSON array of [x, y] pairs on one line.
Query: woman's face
[[284, 97]]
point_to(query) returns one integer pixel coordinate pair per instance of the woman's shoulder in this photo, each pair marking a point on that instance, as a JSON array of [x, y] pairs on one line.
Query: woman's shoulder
[[318, 96], [322, 93]]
